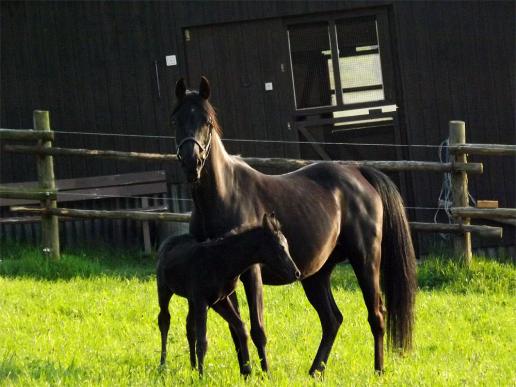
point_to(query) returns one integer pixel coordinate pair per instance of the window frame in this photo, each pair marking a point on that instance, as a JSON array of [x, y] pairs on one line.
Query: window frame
[[386, 60]]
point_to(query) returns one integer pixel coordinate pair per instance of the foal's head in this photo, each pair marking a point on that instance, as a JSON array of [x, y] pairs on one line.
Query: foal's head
[[275, 251], [194, 121]]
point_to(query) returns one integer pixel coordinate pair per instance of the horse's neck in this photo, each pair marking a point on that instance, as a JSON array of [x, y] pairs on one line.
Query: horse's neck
[[217, 179]]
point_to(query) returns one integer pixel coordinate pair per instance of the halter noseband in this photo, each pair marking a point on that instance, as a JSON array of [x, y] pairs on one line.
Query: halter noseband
[[205, 150]]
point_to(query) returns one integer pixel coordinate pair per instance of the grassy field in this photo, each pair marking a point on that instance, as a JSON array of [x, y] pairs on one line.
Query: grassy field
[[91, 320]]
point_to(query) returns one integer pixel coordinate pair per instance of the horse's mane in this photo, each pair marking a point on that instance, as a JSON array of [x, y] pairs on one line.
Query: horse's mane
[[234, 231]]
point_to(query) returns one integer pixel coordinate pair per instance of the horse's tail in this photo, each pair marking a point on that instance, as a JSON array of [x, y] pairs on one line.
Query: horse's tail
[[398, 266]]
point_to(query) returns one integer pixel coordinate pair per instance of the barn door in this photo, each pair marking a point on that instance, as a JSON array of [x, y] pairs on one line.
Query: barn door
[[247, 65]]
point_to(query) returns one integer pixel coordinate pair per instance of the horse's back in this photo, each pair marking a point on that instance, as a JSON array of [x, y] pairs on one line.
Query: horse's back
[[172, 247], [322, 205]]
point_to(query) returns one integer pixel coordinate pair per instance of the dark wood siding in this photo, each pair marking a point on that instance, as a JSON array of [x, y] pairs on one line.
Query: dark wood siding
[[93, 65], [457, 62]]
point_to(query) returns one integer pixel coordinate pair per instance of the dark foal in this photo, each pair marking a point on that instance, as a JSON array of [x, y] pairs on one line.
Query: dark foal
[[206, 274]]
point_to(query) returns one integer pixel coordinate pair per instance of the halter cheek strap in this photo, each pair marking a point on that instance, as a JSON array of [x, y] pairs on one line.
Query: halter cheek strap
[[205, 150]]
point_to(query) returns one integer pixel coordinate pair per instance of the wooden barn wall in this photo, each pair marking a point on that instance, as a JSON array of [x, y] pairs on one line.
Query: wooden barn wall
[[93, 65], [457, 62]]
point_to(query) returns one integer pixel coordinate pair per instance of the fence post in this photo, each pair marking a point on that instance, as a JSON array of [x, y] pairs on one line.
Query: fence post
[[460, 193], [45, 164]]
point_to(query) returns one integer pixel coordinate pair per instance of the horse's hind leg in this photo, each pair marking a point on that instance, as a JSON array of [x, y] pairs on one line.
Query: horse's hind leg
[[367, 270], [227, 311], [164, 295], [190, 334], [252, 280], [318, 291]]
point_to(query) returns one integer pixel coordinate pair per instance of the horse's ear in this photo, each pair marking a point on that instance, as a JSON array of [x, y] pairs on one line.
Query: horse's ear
[[204, 88], [180, 89]]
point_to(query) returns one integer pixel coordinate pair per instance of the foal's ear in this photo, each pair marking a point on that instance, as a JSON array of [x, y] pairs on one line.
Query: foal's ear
[[180, 89], [266, 222], [204, 88], [271, 222]]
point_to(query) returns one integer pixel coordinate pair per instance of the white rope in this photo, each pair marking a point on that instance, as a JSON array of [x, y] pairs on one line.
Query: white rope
[[445, 195]]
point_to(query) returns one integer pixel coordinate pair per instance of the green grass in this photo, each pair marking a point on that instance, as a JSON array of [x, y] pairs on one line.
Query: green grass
[[91, 320]]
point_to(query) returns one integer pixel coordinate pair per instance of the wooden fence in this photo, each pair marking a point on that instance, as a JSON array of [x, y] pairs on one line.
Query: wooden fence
[[50, 213]]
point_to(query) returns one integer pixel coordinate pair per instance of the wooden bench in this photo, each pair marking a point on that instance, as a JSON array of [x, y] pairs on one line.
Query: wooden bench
[[141, 185]]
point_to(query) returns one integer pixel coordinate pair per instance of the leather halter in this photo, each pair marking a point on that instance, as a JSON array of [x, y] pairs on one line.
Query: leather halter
[[205, 150]]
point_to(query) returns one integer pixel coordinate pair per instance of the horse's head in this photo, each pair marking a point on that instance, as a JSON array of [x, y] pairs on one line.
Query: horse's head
[[194, 119], [278, 254]]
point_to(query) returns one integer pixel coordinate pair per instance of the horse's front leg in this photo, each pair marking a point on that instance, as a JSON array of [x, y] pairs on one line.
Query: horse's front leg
[[252, 280], [200, 310]]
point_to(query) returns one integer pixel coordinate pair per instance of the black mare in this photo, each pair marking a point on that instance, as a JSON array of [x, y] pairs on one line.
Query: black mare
[[206, 273], [329, 213]]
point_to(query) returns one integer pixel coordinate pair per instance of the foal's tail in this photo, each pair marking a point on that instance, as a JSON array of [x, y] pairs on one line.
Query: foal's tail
[[398, 266]]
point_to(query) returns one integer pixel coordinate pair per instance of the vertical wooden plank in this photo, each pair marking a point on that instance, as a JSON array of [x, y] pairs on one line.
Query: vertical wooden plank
[[460, 194], [49, 223], [146, 229]]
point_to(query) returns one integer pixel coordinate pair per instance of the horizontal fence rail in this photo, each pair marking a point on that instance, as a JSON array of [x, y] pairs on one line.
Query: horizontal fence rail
[[257, 162], [12, 193], [472, 212], [26, 135], [485, 231], [387, 166], [108, 154], [109, 214], [484, 149]]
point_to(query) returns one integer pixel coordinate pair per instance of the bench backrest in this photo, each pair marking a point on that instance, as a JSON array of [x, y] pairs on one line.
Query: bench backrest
[[90, 188]]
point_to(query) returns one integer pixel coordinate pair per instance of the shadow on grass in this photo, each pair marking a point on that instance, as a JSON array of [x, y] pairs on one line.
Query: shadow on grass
[[22, 261], [438, 272]]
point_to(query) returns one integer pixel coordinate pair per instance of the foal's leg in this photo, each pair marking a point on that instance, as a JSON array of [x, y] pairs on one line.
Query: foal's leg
[[318, 291], [232, 298], [200, 310], [367, 270], [252, 280], [190, 333], [164, 295], [226, 310]]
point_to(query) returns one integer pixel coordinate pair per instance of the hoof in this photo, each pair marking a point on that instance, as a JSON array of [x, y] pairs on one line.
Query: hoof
[[246, 370], [317, 371]]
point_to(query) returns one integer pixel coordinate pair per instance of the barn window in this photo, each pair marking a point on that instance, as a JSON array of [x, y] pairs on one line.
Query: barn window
[[309, 50], [359, 60], [342, 64]]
